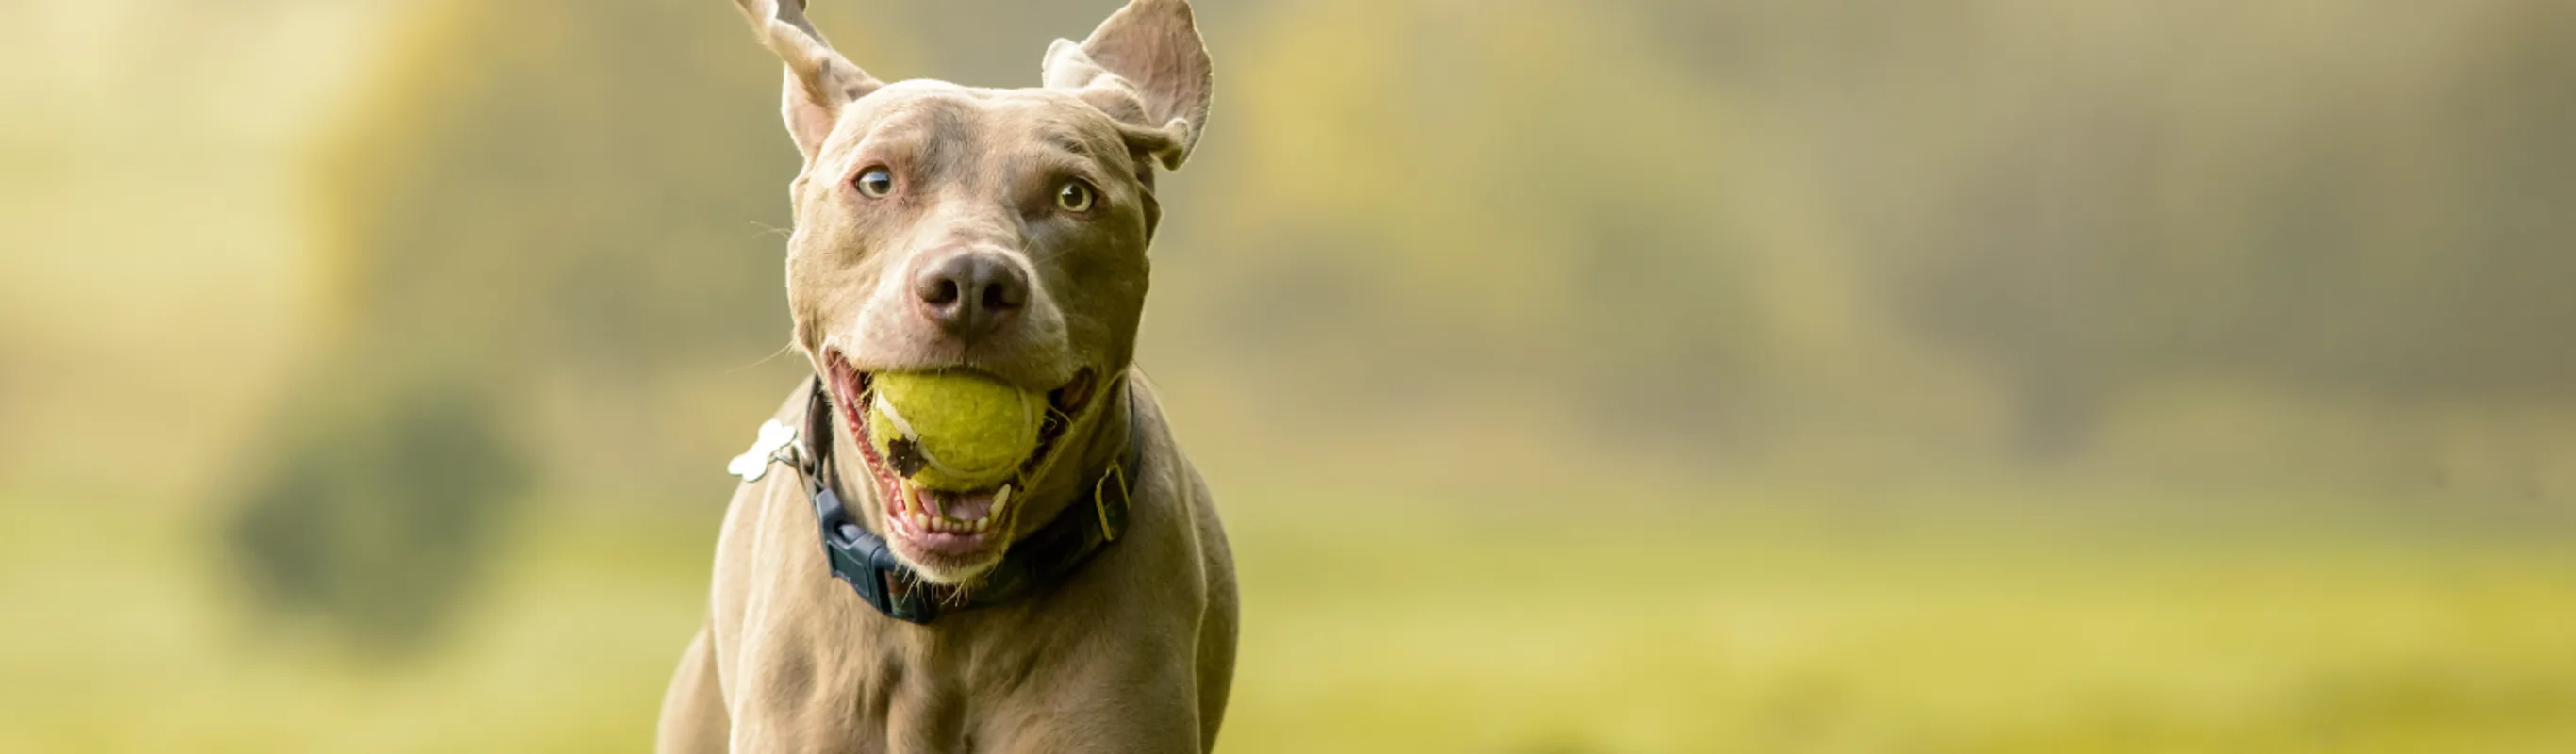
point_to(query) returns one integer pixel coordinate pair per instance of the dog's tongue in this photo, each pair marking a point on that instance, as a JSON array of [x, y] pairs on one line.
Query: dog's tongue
[[963, 506]]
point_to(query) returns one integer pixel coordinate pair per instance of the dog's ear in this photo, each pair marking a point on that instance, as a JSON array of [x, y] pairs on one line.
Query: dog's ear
[[819, 80], [1147, 68]]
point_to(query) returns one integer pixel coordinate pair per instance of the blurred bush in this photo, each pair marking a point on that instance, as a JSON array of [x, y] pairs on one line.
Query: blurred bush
[[378, 520]]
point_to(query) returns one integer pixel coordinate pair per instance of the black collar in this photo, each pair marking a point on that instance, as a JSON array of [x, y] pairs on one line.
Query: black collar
[[1038, 560]]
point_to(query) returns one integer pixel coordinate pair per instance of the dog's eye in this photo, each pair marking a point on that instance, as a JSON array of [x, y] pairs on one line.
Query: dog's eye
[[1074, 196], [875, 183]]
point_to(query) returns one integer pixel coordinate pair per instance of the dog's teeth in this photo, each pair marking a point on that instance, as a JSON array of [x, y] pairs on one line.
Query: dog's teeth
[[1001, 500], [982, 523], [920, 520]]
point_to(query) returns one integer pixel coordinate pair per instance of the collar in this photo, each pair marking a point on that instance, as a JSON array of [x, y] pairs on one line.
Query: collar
[[863, 559]]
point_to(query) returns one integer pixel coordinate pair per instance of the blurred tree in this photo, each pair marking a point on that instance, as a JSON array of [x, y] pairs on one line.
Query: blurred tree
[[2082, 210], [551, 235], [2414, 238], [1499, 207]]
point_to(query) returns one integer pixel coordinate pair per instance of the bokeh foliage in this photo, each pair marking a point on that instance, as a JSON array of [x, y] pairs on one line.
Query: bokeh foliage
[[403, 313]]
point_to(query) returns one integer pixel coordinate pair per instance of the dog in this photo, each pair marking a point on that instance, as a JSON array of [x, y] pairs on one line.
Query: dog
[[1088, 606]]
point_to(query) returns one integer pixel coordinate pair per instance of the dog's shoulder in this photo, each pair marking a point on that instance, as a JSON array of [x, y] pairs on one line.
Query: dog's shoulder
[[754, 503]]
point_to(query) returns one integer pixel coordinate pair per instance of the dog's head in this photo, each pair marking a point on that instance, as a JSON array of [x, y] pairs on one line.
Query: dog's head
[[999, 230]]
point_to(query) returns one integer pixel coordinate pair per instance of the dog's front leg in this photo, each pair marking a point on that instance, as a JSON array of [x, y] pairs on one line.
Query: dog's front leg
[[803, 679], [693, 709]]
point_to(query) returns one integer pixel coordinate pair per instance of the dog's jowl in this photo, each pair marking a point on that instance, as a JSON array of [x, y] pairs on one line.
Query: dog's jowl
[[976, 257]]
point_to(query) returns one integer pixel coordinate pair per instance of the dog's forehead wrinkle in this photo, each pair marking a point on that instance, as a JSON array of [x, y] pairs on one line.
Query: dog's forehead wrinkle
[[1068, 143], [895, 112]]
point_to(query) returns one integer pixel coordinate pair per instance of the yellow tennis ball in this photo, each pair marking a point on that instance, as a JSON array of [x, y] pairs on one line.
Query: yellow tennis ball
[[953, 430]]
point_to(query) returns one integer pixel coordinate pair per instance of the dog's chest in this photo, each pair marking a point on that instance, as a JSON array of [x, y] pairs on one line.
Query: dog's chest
[[897, 691]]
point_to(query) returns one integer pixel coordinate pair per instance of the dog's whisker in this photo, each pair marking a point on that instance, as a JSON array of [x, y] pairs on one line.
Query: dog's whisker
[[782, 351]]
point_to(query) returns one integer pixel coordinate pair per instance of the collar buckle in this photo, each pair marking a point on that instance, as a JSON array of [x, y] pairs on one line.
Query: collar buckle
[[1113, 513], [863, 561]]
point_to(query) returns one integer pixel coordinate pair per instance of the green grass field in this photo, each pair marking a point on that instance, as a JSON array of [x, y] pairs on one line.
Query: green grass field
[[1858, 632]]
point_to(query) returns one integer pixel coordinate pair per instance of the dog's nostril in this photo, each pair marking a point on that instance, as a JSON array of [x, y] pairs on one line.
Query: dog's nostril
[[1001, 294], [937, 287]]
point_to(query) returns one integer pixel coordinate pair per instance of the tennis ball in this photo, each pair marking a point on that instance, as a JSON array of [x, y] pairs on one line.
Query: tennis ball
[[953, 430]]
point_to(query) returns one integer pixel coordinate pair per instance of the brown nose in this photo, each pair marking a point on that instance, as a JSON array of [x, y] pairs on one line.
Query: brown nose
[[971, 293]]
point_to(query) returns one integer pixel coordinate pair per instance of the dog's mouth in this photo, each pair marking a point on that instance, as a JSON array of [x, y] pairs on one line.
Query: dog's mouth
[[950, 536]]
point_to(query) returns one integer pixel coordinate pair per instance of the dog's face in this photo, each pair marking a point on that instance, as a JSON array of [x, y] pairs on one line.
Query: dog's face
[[998, 230]]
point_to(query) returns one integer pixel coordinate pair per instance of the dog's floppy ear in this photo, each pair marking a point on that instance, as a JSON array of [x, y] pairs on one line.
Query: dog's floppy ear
[[1147, 68], [819, 80]]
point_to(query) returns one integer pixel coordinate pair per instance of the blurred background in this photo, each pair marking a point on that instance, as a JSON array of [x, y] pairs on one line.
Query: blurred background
[[1623, 376]]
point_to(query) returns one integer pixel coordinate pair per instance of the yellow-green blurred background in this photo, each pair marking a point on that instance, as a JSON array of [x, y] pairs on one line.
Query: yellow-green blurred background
[[1622, 376]]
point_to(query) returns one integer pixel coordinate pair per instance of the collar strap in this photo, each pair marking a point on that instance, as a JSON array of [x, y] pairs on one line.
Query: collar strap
[[864, 560]]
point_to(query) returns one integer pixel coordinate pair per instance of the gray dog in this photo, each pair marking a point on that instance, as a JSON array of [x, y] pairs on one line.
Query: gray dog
[[1004, 231]]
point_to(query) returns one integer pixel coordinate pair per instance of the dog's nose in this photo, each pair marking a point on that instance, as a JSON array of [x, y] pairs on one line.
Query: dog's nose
[[970, 293]]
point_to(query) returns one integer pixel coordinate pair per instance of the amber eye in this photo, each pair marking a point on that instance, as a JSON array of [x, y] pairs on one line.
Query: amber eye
[[1074, 196], [875, 183]]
